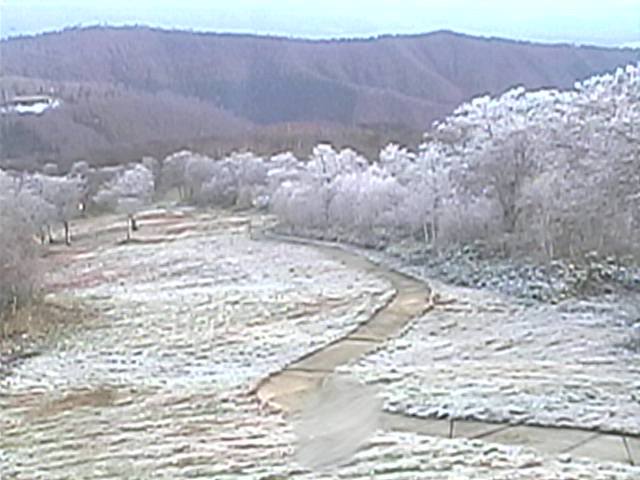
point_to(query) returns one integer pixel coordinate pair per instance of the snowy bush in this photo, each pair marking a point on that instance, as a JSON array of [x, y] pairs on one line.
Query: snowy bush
[[221, 188]]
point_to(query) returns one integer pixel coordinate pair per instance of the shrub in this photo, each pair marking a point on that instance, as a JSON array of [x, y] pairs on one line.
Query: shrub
[[19, 256]]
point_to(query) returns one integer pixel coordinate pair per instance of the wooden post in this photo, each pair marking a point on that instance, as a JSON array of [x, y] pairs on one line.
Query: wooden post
[[129, 228]]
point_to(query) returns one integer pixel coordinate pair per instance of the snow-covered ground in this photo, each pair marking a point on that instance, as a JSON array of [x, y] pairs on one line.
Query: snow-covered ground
[[485, 356], [401, 456], [183, 326], [219, 309], [157, 386]]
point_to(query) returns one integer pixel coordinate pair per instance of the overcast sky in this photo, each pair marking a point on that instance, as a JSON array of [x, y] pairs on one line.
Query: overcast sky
[[601, 22]]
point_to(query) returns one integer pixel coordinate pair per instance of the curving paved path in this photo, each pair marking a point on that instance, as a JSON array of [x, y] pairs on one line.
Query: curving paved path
[[288, 389]]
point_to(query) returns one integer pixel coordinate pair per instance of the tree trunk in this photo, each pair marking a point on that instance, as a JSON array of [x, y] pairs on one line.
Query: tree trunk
[[425, 231], [510, 218], [67, 233], [49, 234], [547, 237], [435, 230]]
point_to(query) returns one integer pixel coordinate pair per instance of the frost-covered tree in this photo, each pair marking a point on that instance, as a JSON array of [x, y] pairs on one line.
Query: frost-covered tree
[[239, 180], [173, 172], [199, 169], [23, 194], [221, 188], [50, 169], [365, 205], [127, 193], [320, 174], [579, 147], [155, 167], [301, 206], [37, 213], [502, 171], [96, 179], [19, 265], [64, 194], [554, 171], [80, 169], [337, 194], [251, 177], [426, 187], [281, 168]]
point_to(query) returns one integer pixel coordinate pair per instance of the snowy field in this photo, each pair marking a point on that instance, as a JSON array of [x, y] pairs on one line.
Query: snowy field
[[484, 356], [181, 324], [158, 385]]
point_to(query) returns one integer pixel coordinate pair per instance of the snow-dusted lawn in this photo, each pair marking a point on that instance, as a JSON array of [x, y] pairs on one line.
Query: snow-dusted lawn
[[155, 387], [214, 308], [400, 456], [483, 357], [185, 329]]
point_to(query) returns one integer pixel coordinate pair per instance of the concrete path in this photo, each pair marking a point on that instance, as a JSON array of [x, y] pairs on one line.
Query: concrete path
[[288, 389]]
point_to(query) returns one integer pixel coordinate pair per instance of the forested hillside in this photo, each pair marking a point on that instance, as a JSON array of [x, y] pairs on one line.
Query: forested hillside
[[131, 91]]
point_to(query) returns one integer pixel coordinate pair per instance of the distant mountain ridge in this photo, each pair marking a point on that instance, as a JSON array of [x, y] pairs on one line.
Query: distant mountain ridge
[[389, 82]]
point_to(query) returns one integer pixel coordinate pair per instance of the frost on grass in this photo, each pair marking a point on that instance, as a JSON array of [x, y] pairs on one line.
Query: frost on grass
[[159, 382], [405, 456], [486, 358], [215, 309], [154, 389]]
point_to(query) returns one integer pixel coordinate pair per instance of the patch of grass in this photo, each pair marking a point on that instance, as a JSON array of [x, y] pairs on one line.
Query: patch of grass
[[632, 343], [35, 323]]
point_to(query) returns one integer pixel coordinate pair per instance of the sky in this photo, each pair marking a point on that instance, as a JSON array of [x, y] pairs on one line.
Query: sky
[[595, 22]]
